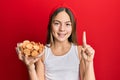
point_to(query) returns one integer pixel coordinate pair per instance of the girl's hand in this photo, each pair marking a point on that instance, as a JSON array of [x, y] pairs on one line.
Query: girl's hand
[[87, 51], [27, 60]]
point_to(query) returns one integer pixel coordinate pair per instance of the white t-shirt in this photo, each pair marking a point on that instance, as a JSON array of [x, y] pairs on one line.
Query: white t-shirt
[[65, 67]]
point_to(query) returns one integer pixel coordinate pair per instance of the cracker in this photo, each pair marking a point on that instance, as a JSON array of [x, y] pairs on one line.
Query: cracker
[[31, 48]]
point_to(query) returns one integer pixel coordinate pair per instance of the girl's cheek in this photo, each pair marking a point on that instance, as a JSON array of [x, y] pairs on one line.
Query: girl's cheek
[[54, 29], [69, 30]]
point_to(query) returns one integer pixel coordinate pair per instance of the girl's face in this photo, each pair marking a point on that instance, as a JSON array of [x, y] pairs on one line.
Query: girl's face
[[61, 27]]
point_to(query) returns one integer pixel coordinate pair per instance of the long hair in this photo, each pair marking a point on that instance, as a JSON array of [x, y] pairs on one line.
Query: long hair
[[72, 38]]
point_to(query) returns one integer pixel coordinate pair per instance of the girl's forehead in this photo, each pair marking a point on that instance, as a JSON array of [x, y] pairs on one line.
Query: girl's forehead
[[62, 16]]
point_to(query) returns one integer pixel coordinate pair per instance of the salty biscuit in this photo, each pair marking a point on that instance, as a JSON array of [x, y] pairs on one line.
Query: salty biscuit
[[36, 47], [32, 42], [26, 52], [25, 43], [34, 53], [29, 46]]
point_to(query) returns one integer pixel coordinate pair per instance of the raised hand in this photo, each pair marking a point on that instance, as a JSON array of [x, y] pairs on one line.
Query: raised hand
[[87, 51]]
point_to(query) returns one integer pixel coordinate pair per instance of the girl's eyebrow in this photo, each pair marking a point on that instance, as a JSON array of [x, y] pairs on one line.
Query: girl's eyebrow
[[56, 20], [60, 21]]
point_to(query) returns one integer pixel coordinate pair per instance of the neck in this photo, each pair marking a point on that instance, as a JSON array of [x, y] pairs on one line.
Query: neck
[[61, 44], [60, 48]]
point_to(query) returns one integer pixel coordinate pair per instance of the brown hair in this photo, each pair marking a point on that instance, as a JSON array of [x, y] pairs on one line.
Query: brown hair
[[73, 37]]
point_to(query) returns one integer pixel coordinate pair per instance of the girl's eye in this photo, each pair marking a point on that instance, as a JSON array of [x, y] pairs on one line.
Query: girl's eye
[[56, 24], [68, 24]]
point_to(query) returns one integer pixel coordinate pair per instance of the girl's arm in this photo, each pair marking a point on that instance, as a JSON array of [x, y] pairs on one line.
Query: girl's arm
[[86, 65], [34, 66], [40, 68], [32, 72], [87, 53], [36, 70], [89, 71]]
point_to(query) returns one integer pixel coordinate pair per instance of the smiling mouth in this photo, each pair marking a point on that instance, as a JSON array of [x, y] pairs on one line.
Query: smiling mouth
[[61, 35]]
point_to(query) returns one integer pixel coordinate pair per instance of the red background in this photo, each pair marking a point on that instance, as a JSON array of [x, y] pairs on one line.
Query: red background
[[27, 19]]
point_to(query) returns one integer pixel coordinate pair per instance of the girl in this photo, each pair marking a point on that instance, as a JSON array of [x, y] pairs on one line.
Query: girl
[[63, 58]]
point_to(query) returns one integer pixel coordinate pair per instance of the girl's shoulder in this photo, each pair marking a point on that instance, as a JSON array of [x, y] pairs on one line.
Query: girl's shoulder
[[79, 47], [47, 46]]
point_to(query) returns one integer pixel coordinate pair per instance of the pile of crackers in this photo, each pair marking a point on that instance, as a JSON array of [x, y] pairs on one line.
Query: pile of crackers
[[31, 48]]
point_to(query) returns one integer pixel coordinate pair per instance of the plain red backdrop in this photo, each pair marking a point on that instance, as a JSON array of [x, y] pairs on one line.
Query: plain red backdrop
[[27, 19]]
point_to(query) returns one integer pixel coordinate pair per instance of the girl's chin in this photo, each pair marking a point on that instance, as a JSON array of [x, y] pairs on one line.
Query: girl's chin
[[61, 39]]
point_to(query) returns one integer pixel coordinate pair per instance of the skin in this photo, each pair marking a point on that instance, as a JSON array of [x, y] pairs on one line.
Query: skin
[[61, 30]]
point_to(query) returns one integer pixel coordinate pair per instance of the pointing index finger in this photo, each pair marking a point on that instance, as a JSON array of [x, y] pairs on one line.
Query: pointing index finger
[[84, 39]]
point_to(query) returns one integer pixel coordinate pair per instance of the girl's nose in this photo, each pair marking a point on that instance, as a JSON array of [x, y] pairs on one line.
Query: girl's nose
[[62, 27]]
